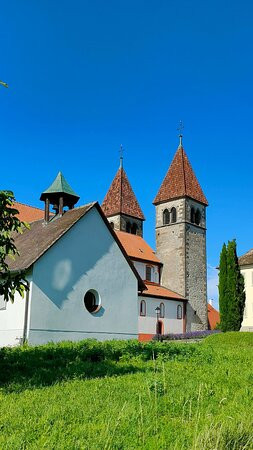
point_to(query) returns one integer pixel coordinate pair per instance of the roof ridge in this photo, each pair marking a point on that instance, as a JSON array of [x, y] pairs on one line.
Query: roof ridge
[[180, 181], [182, 156], [50, 244]]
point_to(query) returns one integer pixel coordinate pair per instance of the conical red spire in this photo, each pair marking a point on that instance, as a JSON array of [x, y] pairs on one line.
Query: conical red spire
[[180, 181], [120, 198]]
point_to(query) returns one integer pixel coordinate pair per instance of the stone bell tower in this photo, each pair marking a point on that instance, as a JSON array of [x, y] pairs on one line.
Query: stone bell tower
[[181, 237], [59, 195], [121, 207]]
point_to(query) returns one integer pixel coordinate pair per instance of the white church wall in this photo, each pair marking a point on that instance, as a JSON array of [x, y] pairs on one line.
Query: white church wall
[[147, 324], [247, 272], [12, 317], [141, 269], [86, 257]]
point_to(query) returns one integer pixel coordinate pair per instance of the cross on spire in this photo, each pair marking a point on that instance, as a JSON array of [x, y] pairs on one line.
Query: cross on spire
[[180, 129], [121, 151]]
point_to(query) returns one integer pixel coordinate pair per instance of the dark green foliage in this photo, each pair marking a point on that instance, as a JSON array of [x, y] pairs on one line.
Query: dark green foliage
[[231, 289], [47, 364], [223, 294], [9, 223], [235, 286]]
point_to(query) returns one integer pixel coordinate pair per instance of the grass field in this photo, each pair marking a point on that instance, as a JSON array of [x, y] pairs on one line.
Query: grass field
[[127, 395]]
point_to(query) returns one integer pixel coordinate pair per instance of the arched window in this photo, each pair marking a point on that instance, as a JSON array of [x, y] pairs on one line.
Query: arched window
[[166, 217], [173, 215], [134, 228], [162, 310], [128, 227], [143, 308], [192, 215], [112, 225], [197, 217], [179, 312]]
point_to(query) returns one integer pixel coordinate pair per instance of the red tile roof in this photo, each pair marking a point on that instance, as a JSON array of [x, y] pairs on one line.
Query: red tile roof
[[136, 247], [28, 213], [120, 198], [155, 290], [213, 317], [180, 181], [33, 243]]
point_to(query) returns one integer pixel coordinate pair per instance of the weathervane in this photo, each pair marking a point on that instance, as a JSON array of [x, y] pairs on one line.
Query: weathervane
[[180, 129], [121, 151]]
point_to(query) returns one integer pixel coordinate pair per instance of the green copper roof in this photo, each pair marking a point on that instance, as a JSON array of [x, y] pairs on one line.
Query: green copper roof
[[60, 185]]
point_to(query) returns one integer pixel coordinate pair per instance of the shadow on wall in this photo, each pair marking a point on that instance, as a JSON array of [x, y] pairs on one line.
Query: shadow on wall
[[59, 271], [195, 319]]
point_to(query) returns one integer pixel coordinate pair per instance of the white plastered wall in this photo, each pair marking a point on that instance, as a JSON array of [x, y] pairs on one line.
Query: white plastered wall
[[247, 272], [147, 324], [86, 257], [141, 269], [12, 319]]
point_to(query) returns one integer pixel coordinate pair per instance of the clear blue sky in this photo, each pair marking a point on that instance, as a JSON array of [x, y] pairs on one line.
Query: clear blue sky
[[87, 76]]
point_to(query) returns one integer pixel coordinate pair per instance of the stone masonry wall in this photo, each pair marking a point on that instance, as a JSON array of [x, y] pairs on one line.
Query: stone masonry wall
[[196, 285], [115, 220], [125, 219], [120, 222], [181, 247], [170, 246]]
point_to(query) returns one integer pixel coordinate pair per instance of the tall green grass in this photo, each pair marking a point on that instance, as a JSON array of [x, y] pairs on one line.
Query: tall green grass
[[128, 395]]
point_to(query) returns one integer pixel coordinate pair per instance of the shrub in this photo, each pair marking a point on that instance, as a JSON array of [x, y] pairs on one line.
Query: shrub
[[188, 335], [47, 364]]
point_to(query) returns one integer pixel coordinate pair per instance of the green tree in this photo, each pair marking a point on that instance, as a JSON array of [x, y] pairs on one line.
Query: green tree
[[235, 294], [9, 225], [223, 294]]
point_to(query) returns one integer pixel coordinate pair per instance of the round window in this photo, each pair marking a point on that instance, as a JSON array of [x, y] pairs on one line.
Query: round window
[[92, 301]]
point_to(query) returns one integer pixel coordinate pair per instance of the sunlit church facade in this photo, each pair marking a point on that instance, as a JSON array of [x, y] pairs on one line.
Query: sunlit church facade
[[92, 274]]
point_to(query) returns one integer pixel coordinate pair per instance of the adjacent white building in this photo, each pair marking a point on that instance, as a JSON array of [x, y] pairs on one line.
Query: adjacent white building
[[246, 266], [160, 309]]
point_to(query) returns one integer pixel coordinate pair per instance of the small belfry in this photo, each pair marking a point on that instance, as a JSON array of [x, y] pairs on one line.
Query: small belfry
[[59, 195], [181, 237], [120, 204]]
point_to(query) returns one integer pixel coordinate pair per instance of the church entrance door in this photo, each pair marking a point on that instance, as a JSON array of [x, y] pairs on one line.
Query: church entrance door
[[159, 327]]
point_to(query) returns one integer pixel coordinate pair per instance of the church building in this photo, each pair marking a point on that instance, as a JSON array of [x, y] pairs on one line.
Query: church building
[[177, 271], [92, 274]]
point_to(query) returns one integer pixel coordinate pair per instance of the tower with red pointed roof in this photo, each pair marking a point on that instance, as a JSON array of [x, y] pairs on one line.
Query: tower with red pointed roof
[[120, 205], [181, 237]]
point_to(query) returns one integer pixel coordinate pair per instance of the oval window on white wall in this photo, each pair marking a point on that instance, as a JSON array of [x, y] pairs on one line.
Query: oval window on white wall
[[92, 301]]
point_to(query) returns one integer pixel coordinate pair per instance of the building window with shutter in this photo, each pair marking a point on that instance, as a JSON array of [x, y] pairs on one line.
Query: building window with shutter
[[148, 273]]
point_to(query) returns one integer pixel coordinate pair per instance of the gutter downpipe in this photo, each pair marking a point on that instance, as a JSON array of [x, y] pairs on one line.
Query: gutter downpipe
[[26, 315]]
